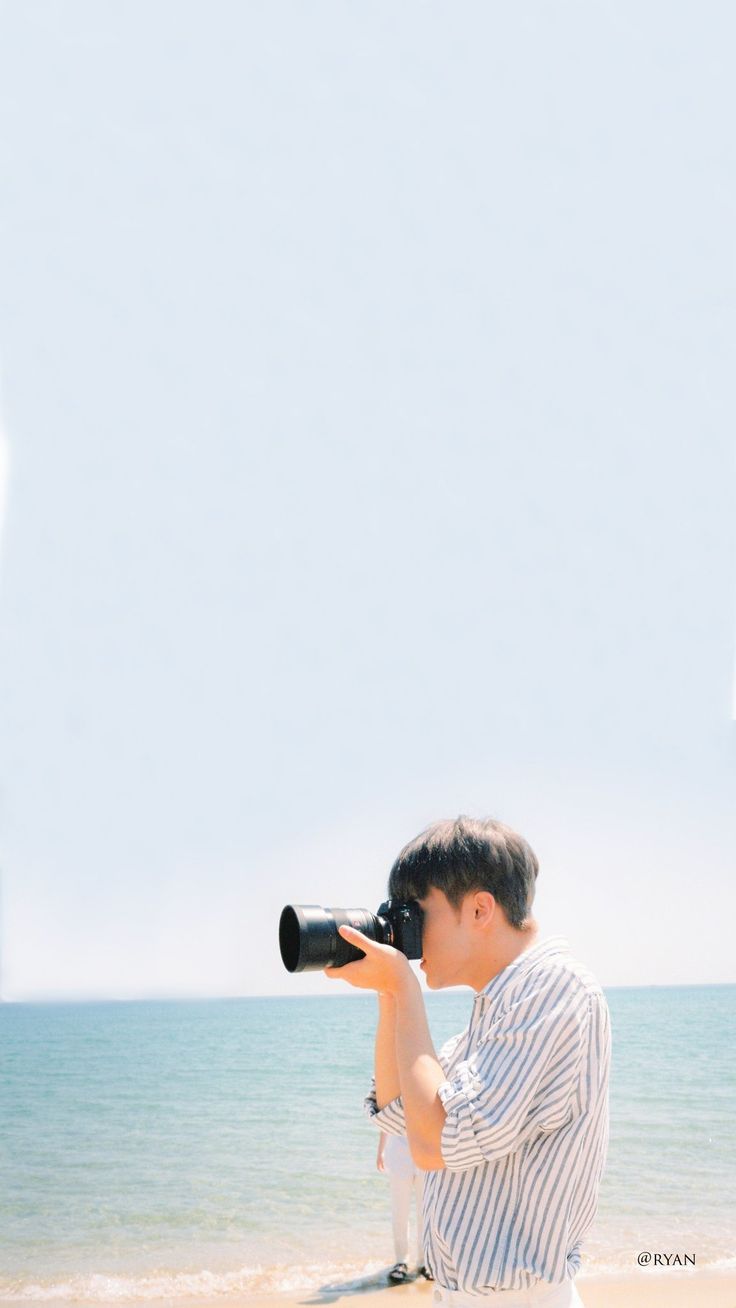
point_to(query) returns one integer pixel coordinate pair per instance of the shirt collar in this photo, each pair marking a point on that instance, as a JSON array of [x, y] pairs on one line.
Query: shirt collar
[[543, 949]]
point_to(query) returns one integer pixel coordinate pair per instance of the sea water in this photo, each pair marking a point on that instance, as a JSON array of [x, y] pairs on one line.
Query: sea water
[[169, 1149]]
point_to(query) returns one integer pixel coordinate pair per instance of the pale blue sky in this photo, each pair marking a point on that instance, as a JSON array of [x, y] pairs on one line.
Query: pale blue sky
[[367, 382]]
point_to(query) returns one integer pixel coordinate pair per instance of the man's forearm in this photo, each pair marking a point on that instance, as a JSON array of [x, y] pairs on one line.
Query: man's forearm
[[386, 1068], [420, 1075]]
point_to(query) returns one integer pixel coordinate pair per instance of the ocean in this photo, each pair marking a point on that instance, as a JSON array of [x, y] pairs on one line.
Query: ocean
[[187, 1149]]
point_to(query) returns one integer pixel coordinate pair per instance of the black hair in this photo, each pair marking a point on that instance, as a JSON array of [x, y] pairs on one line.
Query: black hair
[[465, 854]]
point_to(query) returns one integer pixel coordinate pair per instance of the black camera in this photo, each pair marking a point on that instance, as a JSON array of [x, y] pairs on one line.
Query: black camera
[[309, 938]]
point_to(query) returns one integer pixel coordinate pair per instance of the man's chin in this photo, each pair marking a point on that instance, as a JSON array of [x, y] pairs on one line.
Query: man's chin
[[431, 982]]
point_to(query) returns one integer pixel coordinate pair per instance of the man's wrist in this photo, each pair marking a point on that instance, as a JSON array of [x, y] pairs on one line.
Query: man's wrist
[[407, 986]]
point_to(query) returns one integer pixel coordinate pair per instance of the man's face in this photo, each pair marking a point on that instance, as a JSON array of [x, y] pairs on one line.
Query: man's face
[[446, 940]]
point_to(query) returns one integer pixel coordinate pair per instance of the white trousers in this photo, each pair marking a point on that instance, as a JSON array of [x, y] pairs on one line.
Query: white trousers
[[402, 1189], [541, 1295]]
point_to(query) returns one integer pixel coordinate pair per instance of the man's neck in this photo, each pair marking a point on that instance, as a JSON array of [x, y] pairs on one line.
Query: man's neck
[[505, 949]]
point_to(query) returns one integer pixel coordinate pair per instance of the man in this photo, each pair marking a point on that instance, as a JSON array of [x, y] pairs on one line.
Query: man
[[510, 1122]]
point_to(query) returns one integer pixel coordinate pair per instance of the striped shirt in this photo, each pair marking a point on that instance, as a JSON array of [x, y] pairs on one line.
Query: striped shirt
[[526, 1132]]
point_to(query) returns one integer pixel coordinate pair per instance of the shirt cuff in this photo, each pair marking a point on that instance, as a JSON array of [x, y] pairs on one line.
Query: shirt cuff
[[390, 1118]]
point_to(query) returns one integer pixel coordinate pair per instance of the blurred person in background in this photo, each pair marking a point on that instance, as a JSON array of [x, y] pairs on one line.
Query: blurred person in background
[[407, 1181]]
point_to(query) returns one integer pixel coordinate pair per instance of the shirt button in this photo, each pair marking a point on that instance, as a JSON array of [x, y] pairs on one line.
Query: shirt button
[[437, 1296]]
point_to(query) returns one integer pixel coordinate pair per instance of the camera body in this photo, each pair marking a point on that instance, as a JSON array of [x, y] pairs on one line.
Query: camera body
[[404, 921], [310, 940]]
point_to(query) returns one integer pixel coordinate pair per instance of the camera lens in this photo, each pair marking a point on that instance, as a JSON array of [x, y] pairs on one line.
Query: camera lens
[[309, 939]]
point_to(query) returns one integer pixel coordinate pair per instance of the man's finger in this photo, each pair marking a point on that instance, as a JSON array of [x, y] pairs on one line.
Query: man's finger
[[357, 938], [347, 972], [340, 973]]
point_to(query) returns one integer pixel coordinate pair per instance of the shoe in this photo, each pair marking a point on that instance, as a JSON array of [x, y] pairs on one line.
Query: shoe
[[399, 1273], [425, 1272]]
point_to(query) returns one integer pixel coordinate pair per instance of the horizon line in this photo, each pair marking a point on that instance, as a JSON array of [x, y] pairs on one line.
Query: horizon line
[[351, 994]]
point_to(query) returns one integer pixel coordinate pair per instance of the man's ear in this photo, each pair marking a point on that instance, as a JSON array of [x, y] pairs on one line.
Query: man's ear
[[484, 908]]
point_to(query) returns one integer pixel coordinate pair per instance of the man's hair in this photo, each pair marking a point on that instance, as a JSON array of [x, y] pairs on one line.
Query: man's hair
[[467, 854]]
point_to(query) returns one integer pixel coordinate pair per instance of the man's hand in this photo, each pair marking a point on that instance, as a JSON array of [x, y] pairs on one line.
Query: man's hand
[[384, 969], [380, 1163]]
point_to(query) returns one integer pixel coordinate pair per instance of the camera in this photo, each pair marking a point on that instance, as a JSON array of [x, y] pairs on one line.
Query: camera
[[309, 938]]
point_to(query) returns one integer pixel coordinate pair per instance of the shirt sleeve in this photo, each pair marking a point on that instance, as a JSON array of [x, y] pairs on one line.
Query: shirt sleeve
[[521, 1078], [390, 1118]]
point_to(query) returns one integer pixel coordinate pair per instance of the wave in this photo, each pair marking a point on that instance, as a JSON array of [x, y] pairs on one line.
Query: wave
[[99, 1287]]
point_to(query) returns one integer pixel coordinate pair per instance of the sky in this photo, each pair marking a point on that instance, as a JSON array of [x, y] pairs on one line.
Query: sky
[[368, 409]]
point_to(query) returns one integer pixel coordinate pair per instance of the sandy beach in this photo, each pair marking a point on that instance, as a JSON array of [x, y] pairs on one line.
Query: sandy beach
[[699, 1290]]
